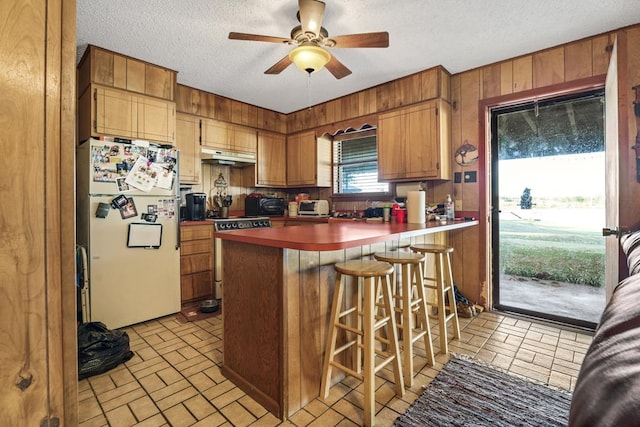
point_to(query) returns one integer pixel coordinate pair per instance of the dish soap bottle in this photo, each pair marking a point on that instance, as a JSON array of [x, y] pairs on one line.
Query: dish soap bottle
[[449, 212]]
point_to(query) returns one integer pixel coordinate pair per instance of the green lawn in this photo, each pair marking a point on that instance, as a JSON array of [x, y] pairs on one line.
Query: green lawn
[[530, 249]]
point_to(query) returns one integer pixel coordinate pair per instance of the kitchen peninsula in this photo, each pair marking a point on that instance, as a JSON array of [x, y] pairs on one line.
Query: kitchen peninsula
[[277, 300]]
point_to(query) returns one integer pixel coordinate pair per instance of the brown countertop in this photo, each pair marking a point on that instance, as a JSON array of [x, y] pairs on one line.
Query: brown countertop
[[336, 235]]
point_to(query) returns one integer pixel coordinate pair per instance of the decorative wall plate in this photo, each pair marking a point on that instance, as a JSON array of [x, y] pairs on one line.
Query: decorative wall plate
[[466, 154]]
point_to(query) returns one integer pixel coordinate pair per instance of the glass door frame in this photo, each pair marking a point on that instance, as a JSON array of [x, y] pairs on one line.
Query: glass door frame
[[484, 165], [493, 161]]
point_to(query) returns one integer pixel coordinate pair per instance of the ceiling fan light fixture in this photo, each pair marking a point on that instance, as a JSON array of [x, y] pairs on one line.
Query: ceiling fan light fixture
[[309, 58]]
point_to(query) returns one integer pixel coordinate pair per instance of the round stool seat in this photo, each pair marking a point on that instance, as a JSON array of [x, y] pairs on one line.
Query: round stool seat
[[397, 257], [432, 249], [364, 268]]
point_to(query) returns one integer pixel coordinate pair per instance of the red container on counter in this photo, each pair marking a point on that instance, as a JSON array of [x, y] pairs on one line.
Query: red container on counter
[[401, 216]]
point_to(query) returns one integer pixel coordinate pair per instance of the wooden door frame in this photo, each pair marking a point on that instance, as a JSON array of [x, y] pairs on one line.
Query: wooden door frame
[[484, 165]]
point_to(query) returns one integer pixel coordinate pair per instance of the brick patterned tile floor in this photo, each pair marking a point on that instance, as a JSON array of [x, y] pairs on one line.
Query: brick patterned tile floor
[[174, 379]]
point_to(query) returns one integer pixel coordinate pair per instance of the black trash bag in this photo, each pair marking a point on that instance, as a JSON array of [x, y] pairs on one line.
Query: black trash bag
[[100, 349]]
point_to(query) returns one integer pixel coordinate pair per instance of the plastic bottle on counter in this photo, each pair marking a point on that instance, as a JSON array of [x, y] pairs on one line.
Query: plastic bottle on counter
[[449, 211]]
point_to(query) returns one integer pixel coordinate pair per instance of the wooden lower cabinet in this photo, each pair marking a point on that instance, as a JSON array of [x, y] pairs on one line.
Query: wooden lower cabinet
[[196, 262]]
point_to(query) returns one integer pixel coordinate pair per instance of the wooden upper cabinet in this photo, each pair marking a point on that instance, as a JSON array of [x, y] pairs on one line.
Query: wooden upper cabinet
[[391, 145], [119, 113], [188, 142], [422, 143], [156, 119], [244, 139], [414, 143], [111, 69], [115, 113], [308, 160], [271, 167], [135, 76], [216, 134], [227, 136]]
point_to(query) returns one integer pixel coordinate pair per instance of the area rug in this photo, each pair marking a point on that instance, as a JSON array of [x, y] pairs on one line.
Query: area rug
[[467, 393]]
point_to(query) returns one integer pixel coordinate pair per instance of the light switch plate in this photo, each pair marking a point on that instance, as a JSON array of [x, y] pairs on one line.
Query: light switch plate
[[470, 176]]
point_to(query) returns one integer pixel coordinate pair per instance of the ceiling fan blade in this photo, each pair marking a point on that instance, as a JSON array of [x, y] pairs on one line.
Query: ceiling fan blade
[[311, 14], [337, 68], [258, 38], [279, 66], [380, 39]]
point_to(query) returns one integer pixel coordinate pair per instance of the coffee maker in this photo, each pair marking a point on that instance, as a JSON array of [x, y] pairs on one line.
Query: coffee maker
[[196, 206]]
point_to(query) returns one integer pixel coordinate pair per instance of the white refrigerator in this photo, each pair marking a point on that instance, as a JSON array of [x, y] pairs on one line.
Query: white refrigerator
[[127, 219]]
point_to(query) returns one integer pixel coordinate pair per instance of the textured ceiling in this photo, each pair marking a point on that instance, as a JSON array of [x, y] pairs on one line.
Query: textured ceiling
[[191, 37]]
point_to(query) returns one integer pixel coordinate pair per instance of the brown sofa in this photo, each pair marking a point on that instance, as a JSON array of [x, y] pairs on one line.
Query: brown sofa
[[607, 391]]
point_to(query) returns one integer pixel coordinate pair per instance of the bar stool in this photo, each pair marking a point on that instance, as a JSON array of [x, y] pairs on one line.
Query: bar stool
[[442, 283], [368, 275], [410, 307]]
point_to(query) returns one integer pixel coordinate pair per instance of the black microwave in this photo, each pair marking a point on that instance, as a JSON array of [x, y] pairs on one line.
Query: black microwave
[[264, 206]]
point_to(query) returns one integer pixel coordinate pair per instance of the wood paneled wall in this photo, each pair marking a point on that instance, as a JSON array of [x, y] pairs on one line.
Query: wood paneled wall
[[38, 378], [427, 84], [541, 72], [201, 103]]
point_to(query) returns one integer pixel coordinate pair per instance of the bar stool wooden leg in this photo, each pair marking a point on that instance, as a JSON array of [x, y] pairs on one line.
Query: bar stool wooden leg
[[452, 300], [446, 292], [369, 355], [407, 326], [442, 311], [392, 333], [442, 283], [410, 306], [422, 314], [367, 359], [333, 336], [358, 295]]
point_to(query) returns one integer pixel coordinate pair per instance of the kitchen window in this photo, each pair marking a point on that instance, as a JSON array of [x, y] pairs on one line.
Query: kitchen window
[[355, 164]]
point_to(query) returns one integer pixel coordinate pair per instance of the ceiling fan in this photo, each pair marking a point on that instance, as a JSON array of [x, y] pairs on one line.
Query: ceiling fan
[[311, 40]]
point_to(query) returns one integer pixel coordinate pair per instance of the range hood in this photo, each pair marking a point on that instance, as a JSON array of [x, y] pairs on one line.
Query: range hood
[[226, 158]]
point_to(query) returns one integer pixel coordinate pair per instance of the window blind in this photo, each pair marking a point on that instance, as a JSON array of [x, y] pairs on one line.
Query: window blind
[[355, 167]]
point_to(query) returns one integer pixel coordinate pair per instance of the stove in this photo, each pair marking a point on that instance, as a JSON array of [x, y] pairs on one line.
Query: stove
[[233, 224]]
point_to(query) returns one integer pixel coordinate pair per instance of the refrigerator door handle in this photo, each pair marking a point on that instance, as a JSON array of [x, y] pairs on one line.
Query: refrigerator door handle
[[178, 236], [177, 186]]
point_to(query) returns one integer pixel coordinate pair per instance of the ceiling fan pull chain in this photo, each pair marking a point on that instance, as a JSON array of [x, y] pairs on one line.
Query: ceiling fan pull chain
[[309, 90]]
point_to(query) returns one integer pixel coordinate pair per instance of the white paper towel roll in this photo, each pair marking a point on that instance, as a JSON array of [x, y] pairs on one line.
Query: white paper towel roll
[[416, 207]]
